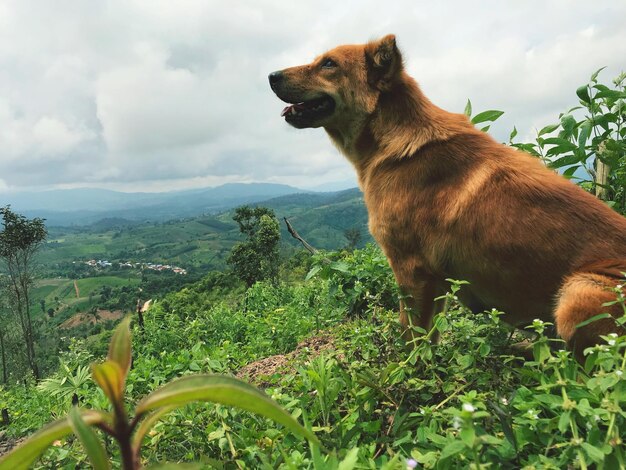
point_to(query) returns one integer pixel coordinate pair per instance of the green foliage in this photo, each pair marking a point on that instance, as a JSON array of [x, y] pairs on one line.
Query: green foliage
[[67, 384], [256, 259], [353, 235], [482, 117], [588, 143], [19, 235], [111, 376], [359, 280], [467, 402], [20, 239]]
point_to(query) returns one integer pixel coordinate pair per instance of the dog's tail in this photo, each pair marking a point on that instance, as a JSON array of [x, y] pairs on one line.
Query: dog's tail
[[583, 296]]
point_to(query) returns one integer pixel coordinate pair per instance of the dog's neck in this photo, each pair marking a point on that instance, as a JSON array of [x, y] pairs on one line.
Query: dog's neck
[[403, 122]]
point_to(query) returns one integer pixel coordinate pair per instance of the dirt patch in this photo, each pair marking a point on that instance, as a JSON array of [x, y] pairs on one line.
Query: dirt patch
[[100, 317], [77, 290], [7, 443], [260, 372]]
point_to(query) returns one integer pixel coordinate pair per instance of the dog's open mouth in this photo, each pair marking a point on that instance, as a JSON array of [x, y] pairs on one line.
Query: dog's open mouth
[[309, 111]]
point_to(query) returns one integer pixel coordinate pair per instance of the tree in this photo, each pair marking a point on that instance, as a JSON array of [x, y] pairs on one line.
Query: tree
[[256, 258], [4, 328], [353, 235], [20, 239]]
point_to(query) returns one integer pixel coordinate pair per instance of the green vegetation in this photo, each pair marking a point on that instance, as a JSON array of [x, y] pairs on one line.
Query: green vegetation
[[587, 144], [467, 401], [323, 341], [202, 243], [20, 239], [130, 431], [256, 259]]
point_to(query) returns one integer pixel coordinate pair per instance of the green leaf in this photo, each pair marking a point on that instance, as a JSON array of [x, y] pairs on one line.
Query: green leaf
[[564, 421], [452, 449], [468, 435], [594, 75], [490, 115], [585, 131], [349, 462], [147, 424], [89, 440], [583, 93], [548, 129], [120, 347], [513, 134], [314, 270], [612, 94], [563, 145], [604, 120], [593, 452], [564, 161], [600, 316], [528, 148], [340, 266], [569, 172], [468, 108], [108, 376], [541, 352], [226, 391], [506, 424], [568, 123], [28, 451]]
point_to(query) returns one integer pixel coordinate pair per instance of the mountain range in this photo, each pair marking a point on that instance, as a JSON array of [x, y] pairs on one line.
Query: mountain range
[[204, 241], [85, 206]]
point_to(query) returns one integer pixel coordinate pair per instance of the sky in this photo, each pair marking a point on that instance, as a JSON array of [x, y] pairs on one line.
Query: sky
[[155, 95]]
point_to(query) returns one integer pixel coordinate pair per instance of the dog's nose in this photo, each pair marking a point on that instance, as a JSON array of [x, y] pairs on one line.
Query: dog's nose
[[275, 77]]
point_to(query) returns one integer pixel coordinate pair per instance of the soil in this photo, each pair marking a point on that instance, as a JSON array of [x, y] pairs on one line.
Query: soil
[[260, 372], [82, 318], [6, 443]]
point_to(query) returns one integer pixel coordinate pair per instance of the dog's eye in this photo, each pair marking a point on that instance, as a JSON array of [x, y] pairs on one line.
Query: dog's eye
[[329, 64]]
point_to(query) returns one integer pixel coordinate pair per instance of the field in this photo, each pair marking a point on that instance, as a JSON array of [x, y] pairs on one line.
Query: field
[[196, 242], [60, 294]]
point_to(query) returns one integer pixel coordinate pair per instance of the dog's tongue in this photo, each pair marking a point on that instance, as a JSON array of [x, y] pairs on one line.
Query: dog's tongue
[[290, 109]]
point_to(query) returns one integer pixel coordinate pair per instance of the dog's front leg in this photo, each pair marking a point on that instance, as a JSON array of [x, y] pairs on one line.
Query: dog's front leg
[[418, 306]]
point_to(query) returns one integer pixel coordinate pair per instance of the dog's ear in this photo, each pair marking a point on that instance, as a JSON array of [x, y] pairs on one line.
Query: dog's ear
[[384, 62]]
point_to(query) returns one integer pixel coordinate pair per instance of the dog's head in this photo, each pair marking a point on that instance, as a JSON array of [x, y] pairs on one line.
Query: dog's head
[[340, 87]]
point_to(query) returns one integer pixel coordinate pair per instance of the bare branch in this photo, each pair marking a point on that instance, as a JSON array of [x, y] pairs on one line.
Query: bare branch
[[295, 235]]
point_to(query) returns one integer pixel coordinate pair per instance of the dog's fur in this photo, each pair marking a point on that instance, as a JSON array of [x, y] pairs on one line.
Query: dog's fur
[[445, 200]]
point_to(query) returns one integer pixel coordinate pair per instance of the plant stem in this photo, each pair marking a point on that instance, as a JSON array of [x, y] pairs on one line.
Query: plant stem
[[129, 460], [123, 435]]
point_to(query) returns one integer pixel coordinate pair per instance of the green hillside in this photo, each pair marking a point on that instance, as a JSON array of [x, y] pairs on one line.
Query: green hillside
[[60, 294], [331, 354], [202, 242]]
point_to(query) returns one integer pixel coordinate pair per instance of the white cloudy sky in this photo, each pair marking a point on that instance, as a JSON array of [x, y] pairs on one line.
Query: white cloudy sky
[[159, 95]]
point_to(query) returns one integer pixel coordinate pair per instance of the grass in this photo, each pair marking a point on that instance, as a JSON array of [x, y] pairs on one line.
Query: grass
[[60, 294]]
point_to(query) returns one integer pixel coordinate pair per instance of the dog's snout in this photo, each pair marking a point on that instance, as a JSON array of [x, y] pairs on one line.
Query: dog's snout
[[275, 77]]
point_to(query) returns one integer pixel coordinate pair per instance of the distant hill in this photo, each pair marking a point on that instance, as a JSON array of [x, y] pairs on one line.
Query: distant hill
[[322, 218], [205, 241], [84, 206]]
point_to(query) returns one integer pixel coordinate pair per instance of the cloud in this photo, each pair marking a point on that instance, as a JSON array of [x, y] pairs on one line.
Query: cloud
[[148, 106], [163, 95]]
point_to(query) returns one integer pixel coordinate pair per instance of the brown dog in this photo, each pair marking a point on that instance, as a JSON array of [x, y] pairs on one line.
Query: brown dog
[[445, 200]]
